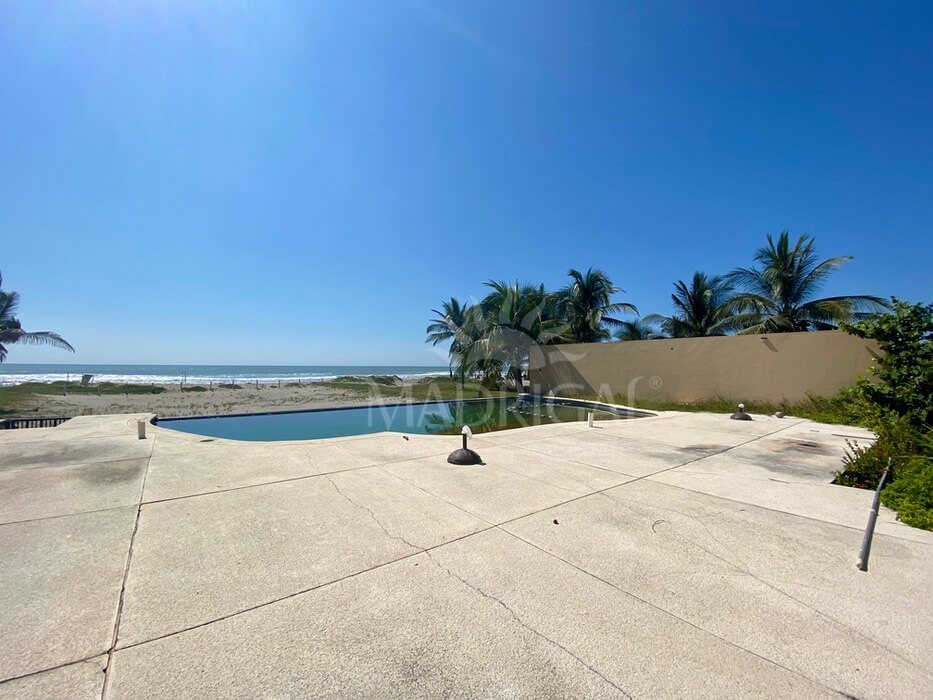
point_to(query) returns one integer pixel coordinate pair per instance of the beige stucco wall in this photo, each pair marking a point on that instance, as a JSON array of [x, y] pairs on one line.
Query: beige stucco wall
[[776, 367]]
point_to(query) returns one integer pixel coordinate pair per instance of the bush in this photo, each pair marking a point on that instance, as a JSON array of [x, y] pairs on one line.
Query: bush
[[911, 495], [905, 371], [898, 408]]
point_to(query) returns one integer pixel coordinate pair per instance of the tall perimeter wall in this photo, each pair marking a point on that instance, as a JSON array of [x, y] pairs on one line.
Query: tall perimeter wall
[[776, 367]]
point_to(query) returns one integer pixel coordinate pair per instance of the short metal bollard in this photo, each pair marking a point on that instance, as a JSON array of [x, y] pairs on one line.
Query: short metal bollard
[[589, 419], [141, 429]]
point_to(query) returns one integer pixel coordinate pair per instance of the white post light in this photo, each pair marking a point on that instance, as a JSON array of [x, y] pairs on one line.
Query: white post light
[[141, 429]]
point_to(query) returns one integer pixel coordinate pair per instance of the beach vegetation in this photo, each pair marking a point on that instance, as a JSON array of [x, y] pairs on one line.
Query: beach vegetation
[[898, 405]]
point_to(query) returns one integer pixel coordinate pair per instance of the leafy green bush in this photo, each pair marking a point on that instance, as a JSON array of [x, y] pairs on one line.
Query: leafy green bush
[[898, 407], [911, 495], [905, 371]]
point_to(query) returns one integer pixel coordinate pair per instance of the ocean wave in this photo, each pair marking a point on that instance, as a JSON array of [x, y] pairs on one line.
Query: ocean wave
[[235, 378]]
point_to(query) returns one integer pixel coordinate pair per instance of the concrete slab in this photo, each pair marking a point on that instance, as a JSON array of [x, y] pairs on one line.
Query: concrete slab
[[200, 558], [745, 462], [27, 494], [383, 448], [100, 426], [60, 583], [404, 511], [596, 447], [370, 566], [179, 468], [500, 490], [55, 453], [761, 424], [529, 434], [80, 681], [370, 636], [826, 502], [709, 562], [676, 434], [574, 477]]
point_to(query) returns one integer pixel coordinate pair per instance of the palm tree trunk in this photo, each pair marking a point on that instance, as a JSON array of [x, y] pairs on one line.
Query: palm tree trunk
[[517, 378]]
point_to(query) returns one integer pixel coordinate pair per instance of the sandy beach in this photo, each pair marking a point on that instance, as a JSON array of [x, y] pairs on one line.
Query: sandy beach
[[175, 402]]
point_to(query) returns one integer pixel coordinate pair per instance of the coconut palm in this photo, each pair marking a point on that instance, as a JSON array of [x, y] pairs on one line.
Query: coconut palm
[[586, 304], [639, 329], [700, 309], [777, 295], [11, 331], [448, 324], [515, 317]]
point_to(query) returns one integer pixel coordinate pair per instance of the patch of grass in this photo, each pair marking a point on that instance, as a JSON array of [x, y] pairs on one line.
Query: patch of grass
[[194, 388], [384, 379], [429, 389], [846, 408], [15, 400], [229, 386]]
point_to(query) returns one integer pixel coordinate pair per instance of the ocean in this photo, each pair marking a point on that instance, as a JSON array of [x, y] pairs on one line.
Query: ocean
[[11, 374]]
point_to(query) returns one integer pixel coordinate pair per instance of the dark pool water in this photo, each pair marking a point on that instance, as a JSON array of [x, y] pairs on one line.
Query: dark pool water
[[439, 418]]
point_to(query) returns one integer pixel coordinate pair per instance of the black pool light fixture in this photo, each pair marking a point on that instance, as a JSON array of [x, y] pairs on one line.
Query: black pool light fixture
[[741, 414], [465, 455]]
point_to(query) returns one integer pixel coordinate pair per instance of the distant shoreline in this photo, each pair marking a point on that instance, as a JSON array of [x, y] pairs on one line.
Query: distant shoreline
[[12, 374], [171, 400]]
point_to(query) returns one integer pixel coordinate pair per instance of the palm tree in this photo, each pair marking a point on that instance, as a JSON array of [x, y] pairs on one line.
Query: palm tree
[[639, 329], [777, 296], [448, 324], [515, 317], [586, 304], [12, 332], [701, 309]]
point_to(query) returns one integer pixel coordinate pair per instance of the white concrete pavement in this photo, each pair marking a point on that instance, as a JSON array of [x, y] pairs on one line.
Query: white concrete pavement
[[679, 555]]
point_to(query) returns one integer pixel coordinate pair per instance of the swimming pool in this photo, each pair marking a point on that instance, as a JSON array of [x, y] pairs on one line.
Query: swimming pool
[[438, 418]]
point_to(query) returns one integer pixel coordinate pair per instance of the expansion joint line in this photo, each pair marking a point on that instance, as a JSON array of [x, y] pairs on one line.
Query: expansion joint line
[[667, 612], [108, 669]]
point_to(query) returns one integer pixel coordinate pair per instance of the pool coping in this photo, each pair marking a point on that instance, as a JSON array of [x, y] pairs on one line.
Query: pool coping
[[579, 403]]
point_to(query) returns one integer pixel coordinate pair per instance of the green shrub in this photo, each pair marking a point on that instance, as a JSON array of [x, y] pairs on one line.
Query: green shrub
[[194, 388], [905, 371], [898, 407], [911, 494]]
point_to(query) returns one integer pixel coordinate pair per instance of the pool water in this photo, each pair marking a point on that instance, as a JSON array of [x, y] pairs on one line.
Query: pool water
[[438, 418]]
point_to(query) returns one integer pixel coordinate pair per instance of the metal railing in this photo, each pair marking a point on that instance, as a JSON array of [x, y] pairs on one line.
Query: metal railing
[[38, 422], [862, 562]]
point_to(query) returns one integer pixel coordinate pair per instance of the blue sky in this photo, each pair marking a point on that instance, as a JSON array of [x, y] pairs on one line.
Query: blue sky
[[253, 182]]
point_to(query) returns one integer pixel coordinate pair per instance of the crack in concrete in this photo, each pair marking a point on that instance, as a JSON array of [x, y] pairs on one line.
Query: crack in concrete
[[108, 665], [741, 567], [372, 515], [432, 494], [525, 625]]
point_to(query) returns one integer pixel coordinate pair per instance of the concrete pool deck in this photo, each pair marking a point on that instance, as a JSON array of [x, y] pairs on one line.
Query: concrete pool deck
[[678, 555]]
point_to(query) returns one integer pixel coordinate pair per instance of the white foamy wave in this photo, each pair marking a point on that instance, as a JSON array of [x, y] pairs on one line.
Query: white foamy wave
[[239, 378]]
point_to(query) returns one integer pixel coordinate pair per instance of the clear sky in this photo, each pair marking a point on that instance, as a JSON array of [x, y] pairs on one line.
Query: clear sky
[[258, 182]]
